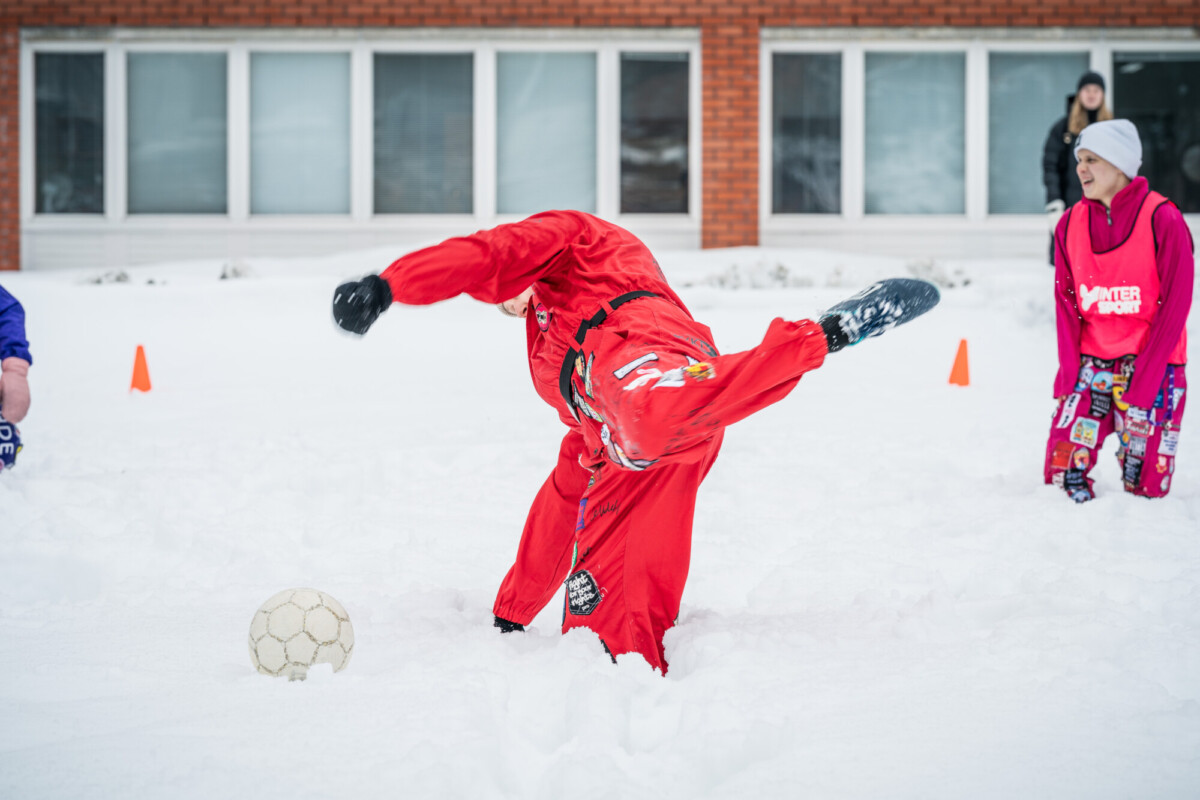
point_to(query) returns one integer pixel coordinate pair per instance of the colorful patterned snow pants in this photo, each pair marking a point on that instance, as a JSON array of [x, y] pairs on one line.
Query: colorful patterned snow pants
[[1085, 418]]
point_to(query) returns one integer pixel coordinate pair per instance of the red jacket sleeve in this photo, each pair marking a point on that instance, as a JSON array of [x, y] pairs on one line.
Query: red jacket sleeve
[[1066, 313], [492, 266], [1176, 273]]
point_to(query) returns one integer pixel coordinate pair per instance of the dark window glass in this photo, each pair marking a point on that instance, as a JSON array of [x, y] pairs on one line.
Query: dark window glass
[[1026, 95], [915, 133], [545, 131], [178, 133], [299, 133], [1160, 93], [806, 126], [69, 125], [423, 134], [654, 133]]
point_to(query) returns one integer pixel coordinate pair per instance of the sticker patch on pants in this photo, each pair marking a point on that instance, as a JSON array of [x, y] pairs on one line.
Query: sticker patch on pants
[[583, 595], [1068, 410], [1084, 432], [1132, 470]]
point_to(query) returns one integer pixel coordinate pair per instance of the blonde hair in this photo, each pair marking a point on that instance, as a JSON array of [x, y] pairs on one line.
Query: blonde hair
[[1077, 120]]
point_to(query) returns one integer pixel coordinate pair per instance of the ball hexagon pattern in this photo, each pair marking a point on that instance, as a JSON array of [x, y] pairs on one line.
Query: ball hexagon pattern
[[298, 628]]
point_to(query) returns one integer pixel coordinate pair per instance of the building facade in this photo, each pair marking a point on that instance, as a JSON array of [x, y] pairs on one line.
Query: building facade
[[136, 131]]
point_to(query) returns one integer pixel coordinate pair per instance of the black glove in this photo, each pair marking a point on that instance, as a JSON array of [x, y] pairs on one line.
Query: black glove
[[507, 626], [357, 304]]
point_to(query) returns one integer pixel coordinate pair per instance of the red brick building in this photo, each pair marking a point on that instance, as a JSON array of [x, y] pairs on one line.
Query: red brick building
[[134, 130]]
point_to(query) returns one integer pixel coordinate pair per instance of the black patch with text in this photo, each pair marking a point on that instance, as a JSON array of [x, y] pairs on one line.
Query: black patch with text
[[1133, 470], [1074, 479], [1101, 405], [583, 595]]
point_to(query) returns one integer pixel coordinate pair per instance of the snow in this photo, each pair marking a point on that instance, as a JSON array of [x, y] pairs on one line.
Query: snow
[[884, 601]]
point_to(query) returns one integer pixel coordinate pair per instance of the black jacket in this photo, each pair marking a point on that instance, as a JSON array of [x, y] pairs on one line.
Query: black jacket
[[1058, 161]]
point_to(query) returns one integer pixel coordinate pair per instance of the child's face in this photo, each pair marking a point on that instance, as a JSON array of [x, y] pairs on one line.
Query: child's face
[[518, 306]]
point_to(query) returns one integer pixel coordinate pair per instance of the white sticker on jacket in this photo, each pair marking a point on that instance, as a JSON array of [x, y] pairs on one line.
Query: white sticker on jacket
[[644, 377], [621, 373]]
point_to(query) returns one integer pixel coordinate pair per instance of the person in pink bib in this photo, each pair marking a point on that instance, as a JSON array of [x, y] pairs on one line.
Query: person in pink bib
[[1124, 270]]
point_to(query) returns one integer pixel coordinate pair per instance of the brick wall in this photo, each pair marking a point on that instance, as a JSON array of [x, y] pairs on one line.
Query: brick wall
[[730, 38], [10, 157], [729, 110]]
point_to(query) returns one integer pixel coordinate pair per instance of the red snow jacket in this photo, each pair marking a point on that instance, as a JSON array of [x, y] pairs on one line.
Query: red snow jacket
[[575, 262]]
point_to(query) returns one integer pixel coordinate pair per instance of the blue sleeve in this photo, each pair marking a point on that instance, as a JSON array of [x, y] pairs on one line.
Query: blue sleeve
[[12, 328]]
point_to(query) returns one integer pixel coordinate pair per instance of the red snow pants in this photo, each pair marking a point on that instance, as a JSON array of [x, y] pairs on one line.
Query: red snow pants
[[1086, 417], [614, 519]]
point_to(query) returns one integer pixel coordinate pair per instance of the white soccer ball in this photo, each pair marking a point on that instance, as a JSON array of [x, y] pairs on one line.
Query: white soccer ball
[[298, 628]]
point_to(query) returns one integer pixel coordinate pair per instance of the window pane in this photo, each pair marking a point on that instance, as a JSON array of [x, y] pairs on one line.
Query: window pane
[[654, 133], [423, 134], [915, 133], [69, 124], [177, 139], [300, 133], [806, 130], [1027, 93], [546, 137], [1160, 93]]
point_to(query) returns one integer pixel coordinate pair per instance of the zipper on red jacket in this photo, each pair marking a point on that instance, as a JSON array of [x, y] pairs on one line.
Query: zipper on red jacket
[[1108, 211]]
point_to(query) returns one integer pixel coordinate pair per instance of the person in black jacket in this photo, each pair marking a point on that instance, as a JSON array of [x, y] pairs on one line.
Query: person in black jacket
[[1058, 157]]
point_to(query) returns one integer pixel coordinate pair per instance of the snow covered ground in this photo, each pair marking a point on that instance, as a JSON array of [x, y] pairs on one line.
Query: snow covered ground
[[884, 600]]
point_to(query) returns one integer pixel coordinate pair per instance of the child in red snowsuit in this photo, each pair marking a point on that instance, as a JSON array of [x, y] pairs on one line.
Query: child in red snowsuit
[[644, 394]]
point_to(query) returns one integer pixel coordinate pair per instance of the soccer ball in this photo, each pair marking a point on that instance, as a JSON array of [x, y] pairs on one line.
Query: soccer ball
[[298, 628]]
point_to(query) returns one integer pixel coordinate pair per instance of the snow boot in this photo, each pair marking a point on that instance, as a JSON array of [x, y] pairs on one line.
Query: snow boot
[[876, 310]]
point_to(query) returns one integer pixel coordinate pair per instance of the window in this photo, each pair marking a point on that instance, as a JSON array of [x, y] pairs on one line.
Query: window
[[654, 133], [367, 132], [69, 124], [915, 153], [932, 146], [806, 126], [1160, 93], [424, 141], [1027, 94], [177, 133], [299, 133], [546, 132]]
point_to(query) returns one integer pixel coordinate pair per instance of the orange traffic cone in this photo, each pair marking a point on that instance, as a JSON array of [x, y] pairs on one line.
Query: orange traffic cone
[[960, 375], [141, 373]]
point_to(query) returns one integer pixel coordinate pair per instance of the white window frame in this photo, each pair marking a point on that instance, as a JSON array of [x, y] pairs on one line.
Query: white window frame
[[792, 229], [676, 229]]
